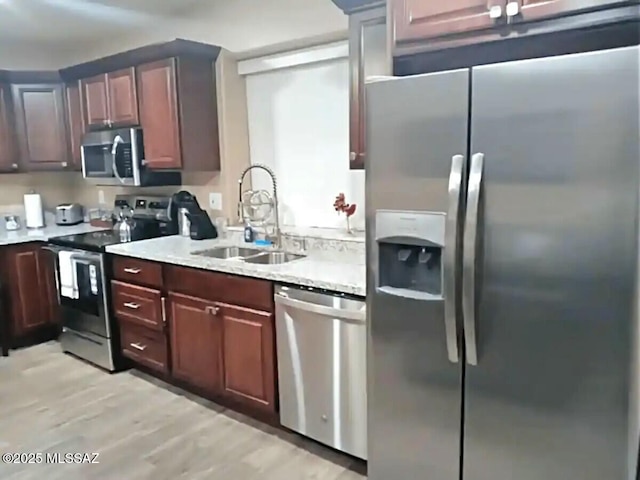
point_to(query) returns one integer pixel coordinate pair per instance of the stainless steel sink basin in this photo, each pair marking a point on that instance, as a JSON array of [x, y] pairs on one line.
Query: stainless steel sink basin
[[273, 258], [228, 252]]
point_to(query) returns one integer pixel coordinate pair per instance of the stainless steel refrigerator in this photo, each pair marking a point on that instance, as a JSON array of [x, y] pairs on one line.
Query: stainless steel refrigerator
[[502, 248]]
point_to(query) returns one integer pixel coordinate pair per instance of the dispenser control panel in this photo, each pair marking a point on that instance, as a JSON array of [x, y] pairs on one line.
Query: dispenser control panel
[[410, 246]]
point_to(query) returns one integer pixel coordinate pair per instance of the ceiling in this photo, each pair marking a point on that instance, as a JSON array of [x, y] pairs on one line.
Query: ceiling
[[64, 21]]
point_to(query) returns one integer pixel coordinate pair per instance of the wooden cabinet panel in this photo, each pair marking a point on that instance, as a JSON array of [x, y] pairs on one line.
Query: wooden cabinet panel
[[77, 126], [233, 289], [196, 342], [137, 271], [421, 19], [537, 9], [369, 55], [96, 102], [123, 101], [140, 305], [159, 115], [249, 356], [144, 346], [28, 296], [48, 288], [8, 161], [41, 126]]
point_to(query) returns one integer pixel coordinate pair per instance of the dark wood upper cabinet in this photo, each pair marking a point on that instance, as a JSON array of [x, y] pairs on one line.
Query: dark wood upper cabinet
[[96, 101], [178, 113], [196, 342], [41, 126], [423, 19], [249, 357], [123, 101], [538, 9], [159, 114], [8, 160], [369, 55], [110, 100], [76, 123]]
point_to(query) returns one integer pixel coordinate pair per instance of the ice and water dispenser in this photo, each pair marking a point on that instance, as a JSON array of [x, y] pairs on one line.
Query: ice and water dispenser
[[410, 253]]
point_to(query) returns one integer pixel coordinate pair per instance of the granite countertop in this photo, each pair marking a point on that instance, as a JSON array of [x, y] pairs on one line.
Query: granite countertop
[[42, 234], [343, 272]]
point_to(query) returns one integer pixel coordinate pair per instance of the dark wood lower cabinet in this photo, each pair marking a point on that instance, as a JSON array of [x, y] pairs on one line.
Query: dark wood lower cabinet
[[218, 340], [30, 283], [196, 342], [249, 350]]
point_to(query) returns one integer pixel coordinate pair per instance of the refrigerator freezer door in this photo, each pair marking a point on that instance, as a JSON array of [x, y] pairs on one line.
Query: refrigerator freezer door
[[552, 396], [416, 128]]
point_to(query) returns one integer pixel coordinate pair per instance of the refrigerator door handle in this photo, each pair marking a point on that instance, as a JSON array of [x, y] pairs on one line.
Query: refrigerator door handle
[[451, 231], [469, 258]]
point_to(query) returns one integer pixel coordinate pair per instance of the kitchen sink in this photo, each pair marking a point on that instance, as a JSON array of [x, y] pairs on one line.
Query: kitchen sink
[[228, 252], [273, 258]]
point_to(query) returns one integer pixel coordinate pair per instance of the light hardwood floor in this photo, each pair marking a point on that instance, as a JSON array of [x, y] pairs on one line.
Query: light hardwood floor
[[50, 402]]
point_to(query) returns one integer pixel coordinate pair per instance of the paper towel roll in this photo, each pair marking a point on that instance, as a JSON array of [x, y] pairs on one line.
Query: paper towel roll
[[34, 217]]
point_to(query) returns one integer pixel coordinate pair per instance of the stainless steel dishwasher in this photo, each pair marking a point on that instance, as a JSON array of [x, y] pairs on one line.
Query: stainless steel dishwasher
[[322, 369]]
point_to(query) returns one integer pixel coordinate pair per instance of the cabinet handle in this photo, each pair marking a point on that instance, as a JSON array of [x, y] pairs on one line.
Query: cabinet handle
[[132, 306], [133, 271], [163, 303], [137, 346], [353, 156], [212, 310], [495, 12], [65, 164], [14, 166], [513, 9]]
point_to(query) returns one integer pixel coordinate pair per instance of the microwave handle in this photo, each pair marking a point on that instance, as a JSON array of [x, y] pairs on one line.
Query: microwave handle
[[114, 156]]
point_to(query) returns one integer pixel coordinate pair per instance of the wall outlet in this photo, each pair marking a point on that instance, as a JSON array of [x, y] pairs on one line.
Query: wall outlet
[[215, 201]]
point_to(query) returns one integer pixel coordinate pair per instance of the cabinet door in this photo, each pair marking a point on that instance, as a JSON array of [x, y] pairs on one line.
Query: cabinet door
[[420, 19], [26, 299], [8, 160], [96, 101], [536, 9], [76, 123], [47, 286], [368, 55], [249, 356], [196, 342], [158, 102], [41, 126], [123, 101]]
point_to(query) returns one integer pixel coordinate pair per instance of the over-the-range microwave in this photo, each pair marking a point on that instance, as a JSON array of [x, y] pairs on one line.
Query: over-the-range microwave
[[116, 157]]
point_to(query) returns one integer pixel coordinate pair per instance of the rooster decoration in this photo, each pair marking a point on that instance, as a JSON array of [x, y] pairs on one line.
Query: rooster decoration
[[341, 206]]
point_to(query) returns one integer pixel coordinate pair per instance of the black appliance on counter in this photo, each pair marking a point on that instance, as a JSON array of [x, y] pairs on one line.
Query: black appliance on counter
[[83, 278], [201, 226]]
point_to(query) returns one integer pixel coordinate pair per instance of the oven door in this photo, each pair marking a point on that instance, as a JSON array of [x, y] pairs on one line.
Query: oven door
[[84, 308]]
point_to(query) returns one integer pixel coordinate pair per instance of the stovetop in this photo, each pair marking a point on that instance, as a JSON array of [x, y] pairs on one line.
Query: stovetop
[[94, 241]]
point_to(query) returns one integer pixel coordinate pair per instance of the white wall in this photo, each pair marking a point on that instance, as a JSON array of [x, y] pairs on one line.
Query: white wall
[[237, 25], [299, 126], [15, 55]]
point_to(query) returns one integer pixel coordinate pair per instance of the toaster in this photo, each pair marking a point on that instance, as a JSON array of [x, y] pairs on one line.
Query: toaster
[[69, 214]]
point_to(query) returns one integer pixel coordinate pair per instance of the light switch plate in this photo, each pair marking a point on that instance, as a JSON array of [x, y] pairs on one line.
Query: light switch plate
[[101, 197], [215, 201]]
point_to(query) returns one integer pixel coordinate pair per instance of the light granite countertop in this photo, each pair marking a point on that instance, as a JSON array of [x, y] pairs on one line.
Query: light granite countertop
[[338, 271], [42, 234]]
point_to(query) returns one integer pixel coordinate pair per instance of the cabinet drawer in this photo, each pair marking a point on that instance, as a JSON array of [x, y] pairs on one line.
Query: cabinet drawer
[[140, 305], [144, 346], [137, 271], [232, 289]]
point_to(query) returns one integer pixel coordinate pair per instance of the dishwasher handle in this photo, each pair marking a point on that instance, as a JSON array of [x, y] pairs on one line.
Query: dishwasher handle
[[349, 316]]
